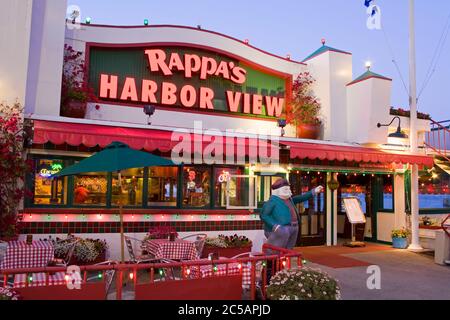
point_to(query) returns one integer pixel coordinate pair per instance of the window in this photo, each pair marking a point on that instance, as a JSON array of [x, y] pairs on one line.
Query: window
[[90, 189], [47, 190], [132, 188], [196, 187], [265, 183], [434, 189], [388, 192], [162, 187], [223, 178], [242, 192]]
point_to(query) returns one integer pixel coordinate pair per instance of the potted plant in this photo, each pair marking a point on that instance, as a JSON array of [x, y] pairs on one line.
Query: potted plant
[[8, 294], [400, 238], [161, 232], [304, 111], [75, 91], [303, 284], [86, 252], [227, 246]]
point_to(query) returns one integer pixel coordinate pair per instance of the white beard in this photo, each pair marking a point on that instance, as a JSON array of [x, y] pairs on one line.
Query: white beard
[[284, 193]]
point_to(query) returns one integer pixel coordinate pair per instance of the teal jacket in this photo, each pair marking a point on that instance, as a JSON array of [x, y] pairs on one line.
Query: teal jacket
[[276, 212]]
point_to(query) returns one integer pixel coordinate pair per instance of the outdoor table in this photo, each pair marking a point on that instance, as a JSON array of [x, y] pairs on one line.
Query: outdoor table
[[38, 279], [173, 250], [233, 269], [20, 255]]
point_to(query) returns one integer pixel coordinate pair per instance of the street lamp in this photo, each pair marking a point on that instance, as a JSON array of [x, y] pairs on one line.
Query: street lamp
[[399, 134], [282, 123]]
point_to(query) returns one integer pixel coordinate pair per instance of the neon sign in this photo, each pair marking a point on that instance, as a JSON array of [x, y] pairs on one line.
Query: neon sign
[[47, 173], [161, 88], [224, 177]]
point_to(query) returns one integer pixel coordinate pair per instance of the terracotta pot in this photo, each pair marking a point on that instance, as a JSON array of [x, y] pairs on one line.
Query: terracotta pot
[[309, 131], [74, 109], [225, 252]]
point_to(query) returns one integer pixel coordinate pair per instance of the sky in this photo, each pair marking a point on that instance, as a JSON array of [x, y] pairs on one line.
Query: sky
[[296, 27]]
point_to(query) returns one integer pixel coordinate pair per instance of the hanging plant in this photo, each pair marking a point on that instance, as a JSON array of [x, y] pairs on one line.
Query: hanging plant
[[304, 110], [75, 91]]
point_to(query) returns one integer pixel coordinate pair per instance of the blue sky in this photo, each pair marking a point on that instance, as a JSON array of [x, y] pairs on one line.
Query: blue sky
[[297, 26]]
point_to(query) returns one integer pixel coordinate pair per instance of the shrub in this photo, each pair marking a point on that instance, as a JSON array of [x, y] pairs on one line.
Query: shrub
[[303, 284], [401, 233], [8, 294], [223, 241]]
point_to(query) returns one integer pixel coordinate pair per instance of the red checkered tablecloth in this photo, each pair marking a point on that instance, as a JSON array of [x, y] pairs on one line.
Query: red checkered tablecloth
[[38, 279], [174, 250], [20, 255], [233, 269]]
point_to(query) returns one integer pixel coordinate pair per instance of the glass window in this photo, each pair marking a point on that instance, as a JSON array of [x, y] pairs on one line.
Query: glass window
[[132, 188], [241, 192], [388, 192], [90, 189], [196, 186], [162, 187], [434, 189], [358, 186], [267, 189], [222, 176], [47, 190]]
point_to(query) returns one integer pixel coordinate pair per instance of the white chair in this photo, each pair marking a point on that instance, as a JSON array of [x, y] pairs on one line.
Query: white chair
[[199, 242]]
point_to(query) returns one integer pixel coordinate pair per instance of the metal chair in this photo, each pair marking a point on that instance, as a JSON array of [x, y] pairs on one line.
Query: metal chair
[[199, 242], [133, 257], [258, 269]]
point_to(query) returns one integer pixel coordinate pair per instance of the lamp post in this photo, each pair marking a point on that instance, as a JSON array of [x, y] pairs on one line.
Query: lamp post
[[415, 241]]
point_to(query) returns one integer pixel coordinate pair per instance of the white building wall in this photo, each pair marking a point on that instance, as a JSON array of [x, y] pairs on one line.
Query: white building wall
[[46, 57], [368, 105], [15, 25], [332, 71]]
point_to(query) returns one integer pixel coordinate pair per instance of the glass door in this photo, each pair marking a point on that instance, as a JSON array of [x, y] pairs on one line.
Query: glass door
[[313, 212]]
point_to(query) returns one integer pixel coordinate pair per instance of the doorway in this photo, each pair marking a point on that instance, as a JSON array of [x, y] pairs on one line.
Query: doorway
[[313, 212], [361, 186]]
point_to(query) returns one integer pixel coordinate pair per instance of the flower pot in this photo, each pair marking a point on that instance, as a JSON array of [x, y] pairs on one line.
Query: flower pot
[[309, 131], [225, 252], [75, 261], [400, 243], [74, 109]]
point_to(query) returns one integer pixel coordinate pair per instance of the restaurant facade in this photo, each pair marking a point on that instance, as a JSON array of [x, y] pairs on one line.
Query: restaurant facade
[[215, 105]]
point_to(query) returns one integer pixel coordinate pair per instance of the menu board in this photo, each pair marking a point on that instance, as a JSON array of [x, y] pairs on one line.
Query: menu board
[[354, 210]]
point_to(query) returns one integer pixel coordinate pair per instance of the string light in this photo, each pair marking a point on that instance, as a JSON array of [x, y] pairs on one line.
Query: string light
[[100, 217], [66, 217], [264, 264], [188, 271], [131, 275], [215, 269], [30, 278], [132, 216], [304, 261], [100, 275], [88, 20], [31, 216], [240, 266], [145, 22], [67, 278], [161, 272]]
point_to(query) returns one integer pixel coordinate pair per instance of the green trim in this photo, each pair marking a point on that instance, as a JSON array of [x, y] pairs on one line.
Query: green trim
[[434, 211], [332, 218], [145, 188]]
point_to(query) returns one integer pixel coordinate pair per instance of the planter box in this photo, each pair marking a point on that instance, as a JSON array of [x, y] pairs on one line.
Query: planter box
[[225, 252], [76, 262], [400, 243]]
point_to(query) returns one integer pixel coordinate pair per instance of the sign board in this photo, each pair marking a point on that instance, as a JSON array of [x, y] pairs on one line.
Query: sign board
[[354, 210], [187, 79]]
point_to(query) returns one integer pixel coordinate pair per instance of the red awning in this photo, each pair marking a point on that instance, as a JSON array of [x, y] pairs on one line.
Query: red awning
[[91, 135], [313, 151]]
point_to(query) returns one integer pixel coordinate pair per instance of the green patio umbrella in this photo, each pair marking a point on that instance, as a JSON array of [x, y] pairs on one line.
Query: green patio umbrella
[[114, 158]]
